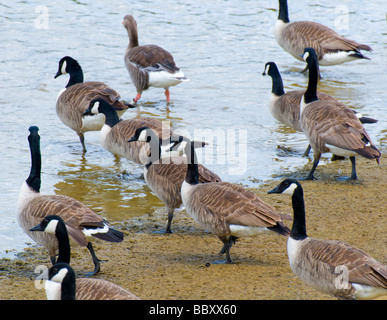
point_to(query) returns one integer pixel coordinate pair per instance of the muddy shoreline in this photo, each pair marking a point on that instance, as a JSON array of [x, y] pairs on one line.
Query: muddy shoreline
[[178, 266]]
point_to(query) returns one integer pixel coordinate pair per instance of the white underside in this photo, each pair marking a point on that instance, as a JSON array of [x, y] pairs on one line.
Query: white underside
[[164, 79], [53, 290], [341, 152], [26, 194], [331, 59], [293, 248], [93, 123], [246, 231], [185, 191], [60, 92], [364, 292], [91, 232]]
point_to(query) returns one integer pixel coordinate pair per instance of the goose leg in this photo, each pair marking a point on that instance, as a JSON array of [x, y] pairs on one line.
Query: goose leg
[[228, 241], [315, 163], [353, 174], [232, 241], [138, 96], [306, 153], [170, 217], [82, 139], [167, 95], [95, 260]]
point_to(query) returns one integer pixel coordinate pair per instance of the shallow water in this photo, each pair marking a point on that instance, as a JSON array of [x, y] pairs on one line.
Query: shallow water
[[222, 48]]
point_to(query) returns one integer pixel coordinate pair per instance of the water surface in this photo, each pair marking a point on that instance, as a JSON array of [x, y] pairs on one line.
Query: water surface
[[222, 47]]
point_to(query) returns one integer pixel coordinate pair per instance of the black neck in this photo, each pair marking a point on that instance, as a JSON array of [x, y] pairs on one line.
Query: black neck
[[155, 149], [192, 176], [33, 179], [298, 231], [63, 242], [68, 287], [278, 86], [111, 116], [76, 75], [311, 92], [283, 11]]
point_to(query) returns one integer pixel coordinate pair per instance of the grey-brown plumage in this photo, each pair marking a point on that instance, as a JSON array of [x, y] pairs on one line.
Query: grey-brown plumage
[[99, 289], [164, 176], [330, 47], [227, 210], [331, 127], [285, 106], [115, 133], [81, 222], [73, 101], [330, 266], [149, 65], [62, 284]]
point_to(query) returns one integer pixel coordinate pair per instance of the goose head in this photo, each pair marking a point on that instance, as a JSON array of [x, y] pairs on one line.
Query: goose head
[[270, 69], [61, 282], [288, 186], [48, 224], [97, 106], [143, 134], [67, 65], [309, 55]]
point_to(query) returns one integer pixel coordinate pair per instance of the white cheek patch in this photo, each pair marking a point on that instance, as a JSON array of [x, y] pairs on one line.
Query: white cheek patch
[[267, 69], [290, 190], [63, 69], [60, 275], [305, 56], [143, 136], [95, 108], [51, 227]]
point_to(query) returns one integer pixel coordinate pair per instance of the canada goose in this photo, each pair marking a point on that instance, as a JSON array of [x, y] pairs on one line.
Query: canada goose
[[330, 266], [227, 210], [115, 132], [149, 65], [330, 47], [164, 176], [331, 127], [285, 107], [63, 285], [74, 99], [81, 222], [54, 224]]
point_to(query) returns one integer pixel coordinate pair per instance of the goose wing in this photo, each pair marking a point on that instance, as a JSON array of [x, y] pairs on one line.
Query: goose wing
[[236, 205], [99, 289], [152, 58], [322, 39], [362, 268], [74, 213], [338, 125]]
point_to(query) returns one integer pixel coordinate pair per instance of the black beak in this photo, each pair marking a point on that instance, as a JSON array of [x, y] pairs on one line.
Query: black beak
[[57, 74], [275, 190], [175, 143], [37, 228], [87, 112], [132, 139]]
